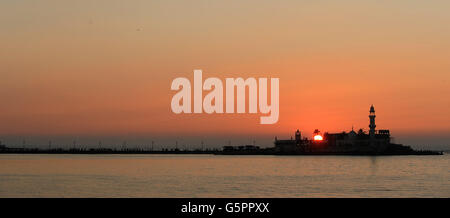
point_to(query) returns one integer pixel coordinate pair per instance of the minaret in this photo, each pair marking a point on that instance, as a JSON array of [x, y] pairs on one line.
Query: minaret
[[298, 136], [372, 122]]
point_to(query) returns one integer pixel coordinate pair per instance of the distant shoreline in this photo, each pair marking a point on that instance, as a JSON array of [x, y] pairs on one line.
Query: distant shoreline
[[211, 152]]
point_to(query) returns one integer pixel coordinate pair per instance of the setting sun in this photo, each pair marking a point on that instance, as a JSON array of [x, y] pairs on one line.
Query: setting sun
[[318, 138]]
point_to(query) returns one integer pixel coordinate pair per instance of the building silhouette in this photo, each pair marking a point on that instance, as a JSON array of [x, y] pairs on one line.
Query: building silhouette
[[374, 141]]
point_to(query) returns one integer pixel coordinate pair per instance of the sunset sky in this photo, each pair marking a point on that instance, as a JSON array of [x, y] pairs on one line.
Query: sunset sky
[[102, 70]]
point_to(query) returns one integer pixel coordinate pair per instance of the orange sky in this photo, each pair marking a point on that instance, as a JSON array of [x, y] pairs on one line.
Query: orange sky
[[105, 68]]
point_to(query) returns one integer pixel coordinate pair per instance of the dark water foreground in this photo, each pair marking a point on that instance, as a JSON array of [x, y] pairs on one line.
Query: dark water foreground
[[69, 175]]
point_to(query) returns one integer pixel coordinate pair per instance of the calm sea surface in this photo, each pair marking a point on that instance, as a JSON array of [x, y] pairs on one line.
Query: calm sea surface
[[223, 176]]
